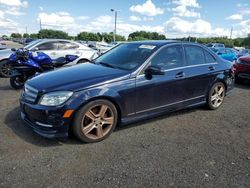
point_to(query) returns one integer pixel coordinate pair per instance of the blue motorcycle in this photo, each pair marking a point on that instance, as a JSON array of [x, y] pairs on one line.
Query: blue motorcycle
[[25, 64]]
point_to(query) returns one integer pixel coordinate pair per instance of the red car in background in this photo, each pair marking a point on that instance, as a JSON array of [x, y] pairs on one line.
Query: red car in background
[[242, 68]]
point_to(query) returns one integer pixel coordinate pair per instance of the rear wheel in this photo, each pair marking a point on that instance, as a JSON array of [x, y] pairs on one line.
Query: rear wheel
[[17, 82], [95, 121], [216, 96], [5, 69]]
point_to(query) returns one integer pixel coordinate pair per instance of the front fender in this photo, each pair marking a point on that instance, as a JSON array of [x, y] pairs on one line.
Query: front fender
[[83, 97]]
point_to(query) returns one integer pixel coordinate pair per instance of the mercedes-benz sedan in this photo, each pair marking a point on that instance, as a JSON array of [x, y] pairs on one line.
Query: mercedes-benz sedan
[[133, 81]]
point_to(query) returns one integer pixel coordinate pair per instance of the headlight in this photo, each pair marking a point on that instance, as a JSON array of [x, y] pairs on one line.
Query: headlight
[[55, 98]]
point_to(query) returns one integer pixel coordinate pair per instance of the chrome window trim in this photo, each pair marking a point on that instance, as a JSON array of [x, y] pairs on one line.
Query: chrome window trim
[[139, 71], [184, 67], [149, 109]]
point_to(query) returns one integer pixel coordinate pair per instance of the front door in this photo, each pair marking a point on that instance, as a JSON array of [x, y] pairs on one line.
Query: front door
[[162, 90]]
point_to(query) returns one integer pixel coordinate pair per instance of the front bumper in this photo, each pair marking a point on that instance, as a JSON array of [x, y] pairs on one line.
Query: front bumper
[[244, 75], [45, 121]]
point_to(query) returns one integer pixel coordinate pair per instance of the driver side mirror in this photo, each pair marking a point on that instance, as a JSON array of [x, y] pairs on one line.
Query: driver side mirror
[[154, 70], [219, 53], [13, 49]]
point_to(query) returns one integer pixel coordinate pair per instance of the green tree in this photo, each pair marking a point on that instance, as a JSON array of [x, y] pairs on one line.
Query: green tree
[[246, 42], [144, 35], [52, 34], [26, 35], [16, 35], [87, 36], [34, 35]]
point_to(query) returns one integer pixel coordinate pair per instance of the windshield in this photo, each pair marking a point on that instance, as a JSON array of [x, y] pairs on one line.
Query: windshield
[[31, 44], [209, 45], [126, 56]]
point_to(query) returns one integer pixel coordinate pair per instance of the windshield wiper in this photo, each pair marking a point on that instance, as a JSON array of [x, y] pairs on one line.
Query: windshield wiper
[[106, 64]]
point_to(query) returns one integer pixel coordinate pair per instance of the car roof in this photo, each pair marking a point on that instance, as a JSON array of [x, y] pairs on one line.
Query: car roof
[[160, 43]]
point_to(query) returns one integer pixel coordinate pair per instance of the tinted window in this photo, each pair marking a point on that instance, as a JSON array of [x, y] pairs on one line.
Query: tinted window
[[194, 55], [47, 46], [64, 45], [169, 57], [209, 58]]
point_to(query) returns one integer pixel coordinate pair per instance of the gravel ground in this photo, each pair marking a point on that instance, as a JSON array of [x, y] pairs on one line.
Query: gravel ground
[[189, 148]]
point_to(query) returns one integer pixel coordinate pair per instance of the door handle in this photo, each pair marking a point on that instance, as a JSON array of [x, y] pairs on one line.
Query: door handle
[[180, 75], [53, 53], [211, 68]]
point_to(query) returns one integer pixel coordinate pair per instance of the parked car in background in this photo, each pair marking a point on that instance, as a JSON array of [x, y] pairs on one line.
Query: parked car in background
[[2, 45], [215, 45], [244, 52], [55, 48], [228, 54], [130, 82], [99, 46], [242, 68]]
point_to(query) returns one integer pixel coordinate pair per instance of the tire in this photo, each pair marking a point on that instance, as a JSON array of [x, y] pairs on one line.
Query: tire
[[17, 82], [5, 69], [216, 96], [95, 121], [82, 61]]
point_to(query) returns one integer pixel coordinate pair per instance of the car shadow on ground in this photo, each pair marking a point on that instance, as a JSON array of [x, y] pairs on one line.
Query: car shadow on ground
[[244, 84], [5, 88], [14, 122]]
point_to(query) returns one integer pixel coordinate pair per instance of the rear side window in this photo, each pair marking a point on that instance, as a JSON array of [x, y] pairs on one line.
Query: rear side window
[[169, 57], [194, 55], [209, 58], [63, 45]]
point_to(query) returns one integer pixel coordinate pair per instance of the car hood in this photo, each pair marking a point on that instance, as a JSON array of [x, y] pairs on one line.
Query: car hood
[[5, 53], [77, 77]]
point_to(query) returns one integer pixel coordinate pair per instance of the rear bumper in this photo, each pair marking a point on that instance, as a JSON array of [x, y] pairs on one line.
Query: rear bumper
[[47, 123]]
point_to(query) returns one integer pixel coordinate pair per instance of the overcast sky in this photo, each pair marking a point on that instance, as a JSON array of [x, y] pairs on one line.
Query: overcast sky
[[174, 18]]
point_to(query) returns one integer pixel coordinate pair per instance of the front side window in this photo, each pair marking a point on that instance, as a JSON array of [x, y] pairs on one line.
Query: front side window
[[169, 57], [126, 56], [47, 46], [194, 55]]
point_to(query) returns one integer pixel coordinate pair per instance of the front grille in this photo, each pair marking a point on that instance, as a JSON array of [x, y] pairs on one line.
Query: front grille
[[30, 93], [245, 62]]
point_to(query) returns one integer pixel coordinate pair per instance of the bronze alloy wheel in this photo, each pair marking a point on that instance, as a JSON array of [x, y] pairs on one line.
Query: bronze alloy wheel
[[216, 96], [95, 121]]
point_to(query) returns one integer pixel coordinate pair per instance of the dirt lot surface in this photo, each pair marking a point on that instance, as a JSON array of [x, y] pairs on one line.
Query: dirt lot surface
[[190, 148]]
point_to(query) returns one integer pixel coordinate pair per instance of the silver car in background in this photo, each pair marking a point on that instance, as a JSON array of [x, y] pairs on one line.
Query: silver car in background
[[55, 48]]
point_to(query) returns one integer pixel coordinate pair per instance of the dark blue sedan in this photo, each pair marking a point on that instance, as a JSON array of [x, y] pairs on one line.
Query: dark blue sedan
[[133, 81]]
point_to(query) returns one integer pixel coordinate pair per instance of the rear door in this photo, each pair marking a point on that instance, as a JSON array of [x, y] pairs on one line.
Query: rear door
[[200, 71]]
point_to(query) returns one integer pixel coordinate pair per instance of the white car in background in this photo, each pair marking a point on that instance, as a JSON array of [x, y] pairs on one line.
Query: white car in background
[[55, 48]]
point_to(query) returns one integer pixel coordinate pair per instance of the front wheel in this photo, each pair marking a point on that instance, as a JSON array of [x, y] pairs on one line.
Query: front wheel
[[95, 121], [17, 82], [216, 96]]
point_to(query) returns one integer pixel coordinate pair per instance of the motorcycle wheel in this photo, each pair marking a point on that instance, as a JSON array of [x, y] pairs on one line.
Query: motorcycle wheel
[[17, 82], [5, 69]]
